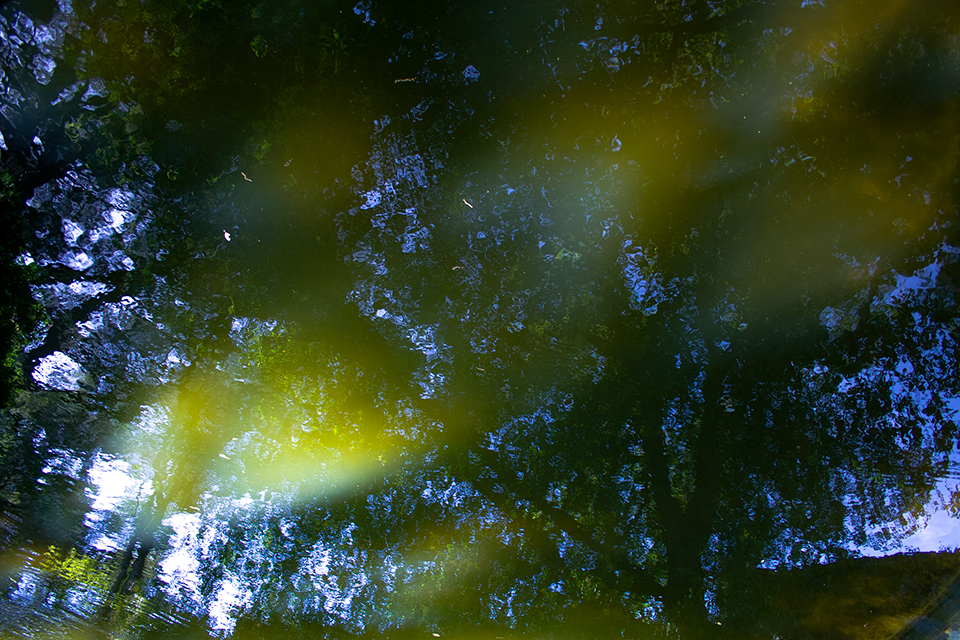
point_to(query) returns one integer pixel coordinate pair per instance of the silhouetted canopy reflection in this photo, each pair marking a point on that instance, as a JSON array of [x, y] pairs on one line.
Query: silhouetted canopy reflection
[[479, 321]]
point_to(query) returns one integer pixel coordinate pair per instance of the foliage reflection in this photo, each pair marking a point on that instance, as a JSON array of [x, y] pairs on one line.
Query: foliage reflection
[[369, 321]]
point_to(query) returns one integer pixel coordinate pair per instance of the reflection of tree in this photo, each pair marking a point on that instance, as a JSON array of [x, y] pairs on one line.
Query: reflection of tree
[[643, 338], [744, 448]]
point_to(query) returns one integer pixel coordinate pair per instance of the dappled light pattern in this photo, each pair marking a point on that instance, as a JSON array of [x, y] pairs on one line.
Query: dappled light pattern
[[380, 320]]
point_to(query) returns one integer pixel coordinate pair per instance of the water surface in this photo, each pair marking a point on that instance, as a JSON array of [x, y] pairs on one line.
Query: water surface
[[488, 320]]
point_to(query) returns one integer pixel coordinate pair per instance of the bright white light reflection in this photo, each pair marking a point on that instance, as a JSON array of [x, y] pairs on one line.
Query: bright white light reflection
[[59, 371], [180, 568], [322, 568], [940, 532], [231, 597], [112, 483], [122, 207]]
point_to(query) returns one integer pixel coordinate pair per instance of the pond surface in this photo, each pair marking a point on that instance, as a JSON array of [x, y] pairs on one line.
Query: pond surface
[[479, 320]]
